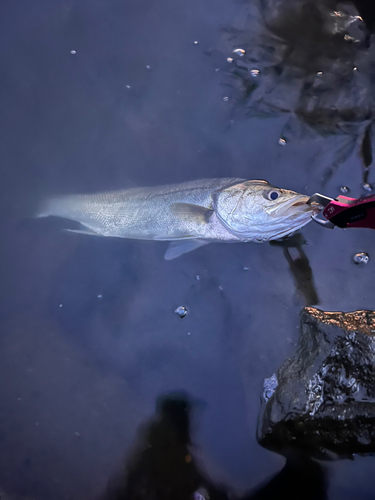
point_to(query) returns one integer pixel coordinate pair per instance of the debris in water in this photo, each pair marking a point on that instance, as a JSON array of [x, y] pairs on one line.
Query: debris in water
[[254, 72], [282, 141], [269, 386], [181, 311], [239, 52], [73, 52], [230, 59], [197, 277], [361, 258], [225, 98], [367, 187], [344, 189]]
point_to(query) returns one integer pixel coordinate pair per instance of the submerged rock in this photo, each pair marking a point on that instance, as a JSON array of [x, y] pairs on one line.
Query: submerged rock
[[324, 403]]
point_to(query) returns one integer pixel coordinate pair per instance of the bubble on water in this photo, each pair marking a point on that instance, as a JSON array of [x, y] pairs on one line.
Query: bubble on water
[[269, 386], [282, 141], [361, 258], [254, 73], [239, 52], [319, 73], [355, 68], [246, 268], [99, 296], [195, 42], [344, 189], [73, 52], [148, 66], [60, 305], [128, 87], [225, 99], [367, 186], [181, 311], [230, 59], [217, 69], [197, 277]]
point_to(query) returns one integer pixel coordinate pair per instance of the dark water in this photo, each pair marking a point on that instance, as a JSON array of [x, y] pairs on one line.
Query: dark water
[[89, 337]]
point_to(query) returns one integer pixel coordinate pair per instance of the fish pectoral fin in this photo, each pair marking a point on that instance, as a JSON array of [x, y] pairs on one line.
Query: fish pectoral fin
[[88, 232], [190, 211], [179, 247]]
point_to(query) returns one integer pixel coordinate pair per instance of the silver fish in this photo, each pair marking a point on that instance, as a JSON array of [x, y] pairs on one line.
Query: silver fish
[[189, 214]]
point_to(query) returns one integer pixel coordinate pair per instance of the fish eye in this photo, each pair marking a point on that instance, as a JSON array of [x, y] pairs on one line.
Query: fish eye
[[273, 195]]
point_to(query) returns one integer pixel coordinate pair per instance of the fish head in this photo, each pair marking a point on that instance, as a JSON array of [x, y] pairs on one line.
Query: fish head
[[258, 211]]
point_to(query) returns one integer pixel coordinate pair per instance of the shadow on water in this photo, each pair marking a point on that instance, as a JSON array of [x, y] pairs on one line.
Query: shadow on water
[[312, 62], [162, 465], [300, 268]]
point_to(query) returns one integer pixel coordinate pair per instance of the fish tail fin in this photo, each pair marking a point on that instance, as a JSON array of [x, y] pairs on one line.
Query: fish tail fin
[[58, 206]]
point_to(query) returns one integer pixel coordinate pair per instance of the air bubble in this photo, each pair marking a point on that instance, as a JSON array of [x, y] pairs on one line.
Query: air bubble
[[344, 189], [225, 99], [181, 311], [73, 52], [367, 187], [239, 52], [361, 258]]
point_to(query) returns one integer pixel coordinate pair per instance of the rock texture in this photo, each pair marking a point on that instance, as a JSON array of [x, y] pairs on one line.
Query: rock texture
[[324, 401]]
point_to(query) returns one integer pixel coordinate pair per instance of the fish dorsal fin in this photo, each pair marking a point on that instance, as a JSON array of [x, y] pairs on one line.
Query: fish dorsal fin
[[179, 247], [190, 211]]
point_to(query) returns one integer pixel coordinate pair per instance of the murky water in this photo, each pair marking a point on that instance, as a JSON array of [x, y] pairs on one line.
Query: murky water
[[108, 95]]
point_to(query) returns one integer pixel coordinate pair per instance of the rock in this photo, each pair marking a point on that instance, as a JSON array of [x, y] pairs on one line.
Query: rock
[[324, 401]]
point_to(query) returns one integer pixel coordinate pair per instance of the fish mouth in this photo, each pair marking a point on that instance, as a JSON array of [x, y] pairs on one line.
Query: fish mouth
[[299, 204]]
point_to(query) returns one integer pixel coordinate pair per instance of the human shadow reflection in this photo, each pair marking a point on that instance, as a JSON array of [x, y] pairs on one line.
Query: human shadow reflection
[[162, 465], [300, 268]]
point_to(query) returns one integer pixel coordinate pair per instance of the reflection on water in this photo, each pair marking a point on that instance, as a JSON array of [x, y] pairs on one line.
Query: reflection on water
[[310, 60], [162, 465], [300, 268]]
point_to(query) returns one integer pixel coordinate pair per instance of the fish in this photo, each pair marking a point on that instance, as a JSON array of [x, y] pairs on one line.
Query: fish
[[189, 214]]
